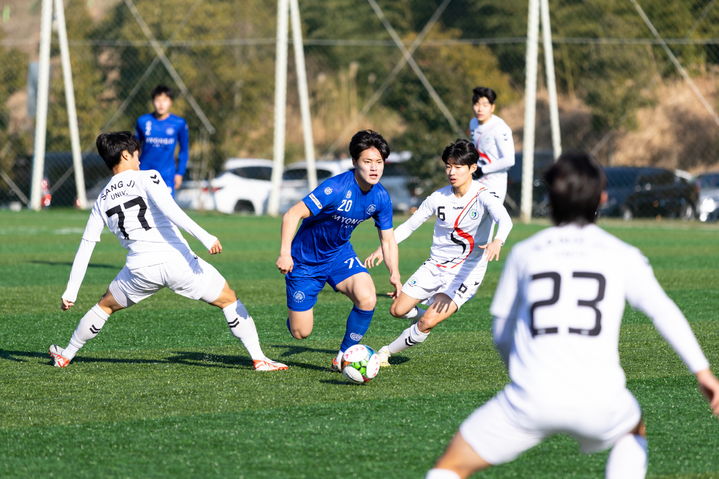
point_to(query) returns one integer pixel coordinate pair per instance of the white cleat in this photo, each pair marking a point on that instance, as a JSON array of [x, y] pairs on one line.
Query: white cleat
[[58, 360], [383, 354], [268, 365]]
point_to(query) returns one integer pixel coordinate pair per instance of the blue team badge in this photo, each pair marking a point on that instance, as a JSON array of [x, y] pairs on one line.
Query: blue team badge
[[328, 190], [371, 209], [298, 296], [348, 195], [170, 131]]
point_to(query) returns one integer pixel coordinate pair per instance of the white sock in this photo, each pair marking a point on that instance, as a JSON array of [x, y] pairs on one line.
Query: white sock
[[415, 313], [339, 357], [441, 474], [88, 327], [243, 327], [409, 337], [628, 459]]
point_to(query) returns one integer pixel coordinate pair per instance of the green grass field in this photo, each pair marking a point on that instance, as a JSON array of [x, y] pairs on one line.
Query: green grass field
[[165, 390]]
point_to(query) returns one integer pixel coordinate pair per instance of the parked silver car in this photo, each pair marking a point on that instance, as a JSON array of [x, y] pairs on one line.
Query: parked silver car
[[708, 184]]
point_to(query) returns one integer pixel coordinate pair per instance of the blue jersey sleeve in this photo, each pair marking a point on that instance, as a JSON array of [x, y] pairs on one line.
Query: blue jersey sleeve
[[383, 215], [324, 195], [183, 138]]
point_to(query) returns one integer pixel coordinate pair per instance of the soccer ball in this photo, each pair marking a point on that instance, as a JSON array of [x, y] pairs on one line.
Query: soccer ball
[[360, 363]]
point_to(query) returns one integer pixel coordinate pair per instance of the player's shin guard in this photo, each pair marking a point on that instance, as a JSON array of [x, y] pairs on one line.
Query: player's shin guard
[[88, 327], [357, 324], [243, 328], [628, 459], [409, 337]]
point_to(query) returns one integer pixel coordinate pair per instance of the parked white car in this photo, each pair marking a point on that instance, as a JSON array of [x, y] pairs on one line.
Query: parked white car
[[243, 187], [708, 184]]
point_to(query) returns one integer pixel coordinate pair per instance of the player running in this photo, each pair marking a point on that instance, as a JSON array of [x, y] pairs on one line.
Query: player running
[[557, 313], [137, 207], [461, 248], [321, 251], [493, 139]]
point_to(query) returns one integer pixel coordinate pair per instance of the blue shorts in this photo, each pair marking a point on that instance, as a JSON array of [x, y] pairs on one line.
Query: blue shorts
[[304, 282]]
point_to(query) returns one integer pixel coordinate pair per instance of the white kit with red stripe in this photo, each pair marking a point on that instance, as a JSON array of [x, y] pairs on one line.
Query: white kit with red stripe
[[463, 223], [495, 145]]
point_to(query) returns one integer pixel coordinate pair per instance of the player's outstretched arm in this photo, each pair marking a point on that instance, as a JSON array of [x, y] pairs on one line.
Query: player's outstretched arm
[[290, 220], [504, 224], [709, 387], [161, 197], [390, 252], [77, 274]]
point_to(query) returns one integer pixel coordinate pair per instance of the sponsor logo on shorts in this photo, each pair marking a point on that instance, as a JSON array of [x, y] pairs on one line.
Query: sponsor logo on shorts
[[355, 337], [315, 201], [298, 296], [328, 190], [371, 209], [412, 282], [348, 195]]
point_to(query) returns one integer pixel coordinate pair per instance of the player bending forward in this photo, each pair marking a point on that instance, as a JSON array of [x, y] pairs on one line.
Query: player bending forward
[[461, 248], [321, 252], [557, 312], [137, 207]]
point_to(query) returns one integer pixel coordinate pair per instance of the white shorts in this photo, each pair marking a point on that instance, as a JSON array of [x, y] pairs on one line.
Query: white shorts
[[188, 276], [459, 284], [499, 433]]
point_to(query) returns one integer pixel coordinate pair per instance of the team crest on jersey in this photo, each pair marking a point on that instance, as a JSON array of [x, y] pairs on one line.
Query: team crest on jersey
[[348, 195], [473, 214], [328, 190], [170, 131], [371, 209], [298, 296]]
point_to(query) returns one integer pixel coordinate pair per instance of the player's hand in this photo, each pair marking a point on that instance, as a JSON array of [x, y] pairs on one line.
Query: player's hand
[[65, 304], [284, 263], [216, 247], [374, 259], [178, 182], [491, 250], [709, 386], [397, 284]]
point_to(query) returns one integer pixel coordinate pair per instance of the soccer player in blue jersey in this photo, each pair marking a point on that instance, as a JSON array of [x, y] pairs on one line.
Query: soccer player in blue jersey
[[160, 133], [321, 251]]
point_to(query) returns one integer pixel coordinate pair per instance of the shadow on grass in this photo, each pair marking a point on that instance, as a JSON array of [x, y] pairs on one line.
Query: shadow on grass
[[12, 356], [225, 361], [68, 263]]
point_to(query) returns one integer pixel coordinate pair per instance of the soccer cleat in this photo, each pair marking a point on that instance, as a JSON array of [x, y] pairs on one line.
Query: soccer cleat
[[268, 365], [383, 354], [58, 360], [335, 365]]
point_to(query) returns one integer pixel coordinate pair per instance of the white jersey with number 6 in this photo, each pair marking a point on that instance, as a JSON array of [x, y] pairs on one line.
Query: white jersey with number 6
[[137, 208], [558, 309], [462, 223]]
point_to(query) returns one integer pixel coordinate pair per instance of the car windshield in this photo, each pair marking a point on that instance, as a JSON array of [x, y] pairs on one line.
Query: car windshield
[[620, 177], [254, 172], [394, 169], [301, 174], [709, 180]]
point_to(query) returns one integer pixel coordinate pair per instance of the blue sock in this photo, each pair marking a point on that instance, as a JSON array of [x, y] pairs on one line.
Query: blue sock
[[357, 324]]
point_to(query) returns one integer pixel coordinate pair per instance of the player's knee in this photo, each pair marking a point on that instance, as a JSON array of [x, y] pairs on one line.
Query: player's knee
[[395, 311], [299, 331], [366, 302], [428, 321]]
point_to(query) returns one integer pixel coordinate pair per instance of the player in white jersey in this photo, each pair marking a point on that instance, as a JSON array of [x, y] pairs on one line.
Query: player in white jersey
[[557, 313], [461, 248], [493, 139], [136, 206]]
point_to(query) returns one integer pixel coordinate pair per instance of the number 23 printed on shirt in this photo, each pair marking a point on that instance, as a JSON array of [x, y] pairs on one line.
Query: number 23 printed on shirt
[[586, 303]]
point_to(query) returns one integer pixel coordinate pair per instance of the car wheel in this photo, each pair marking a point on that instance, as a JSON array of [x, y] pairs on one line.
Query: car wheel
[[627, 213], [244, 207]]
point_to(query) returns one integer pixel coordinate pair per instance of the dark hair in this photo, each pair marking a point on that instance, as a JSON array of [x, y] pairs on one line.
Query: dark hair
[[483, 91], [162, 90], [461, 152], [575, 182], [111, 145], [365, 139]]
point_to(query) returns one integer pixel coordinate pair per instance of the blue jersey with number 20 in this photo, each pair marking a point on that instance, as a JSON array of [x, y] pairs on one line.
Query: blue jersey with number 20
[[338, 205]]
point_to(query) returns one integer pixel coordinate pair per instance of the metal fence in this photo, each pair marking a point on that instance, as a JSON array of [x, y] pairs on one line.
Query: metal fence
[[637, 84]]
